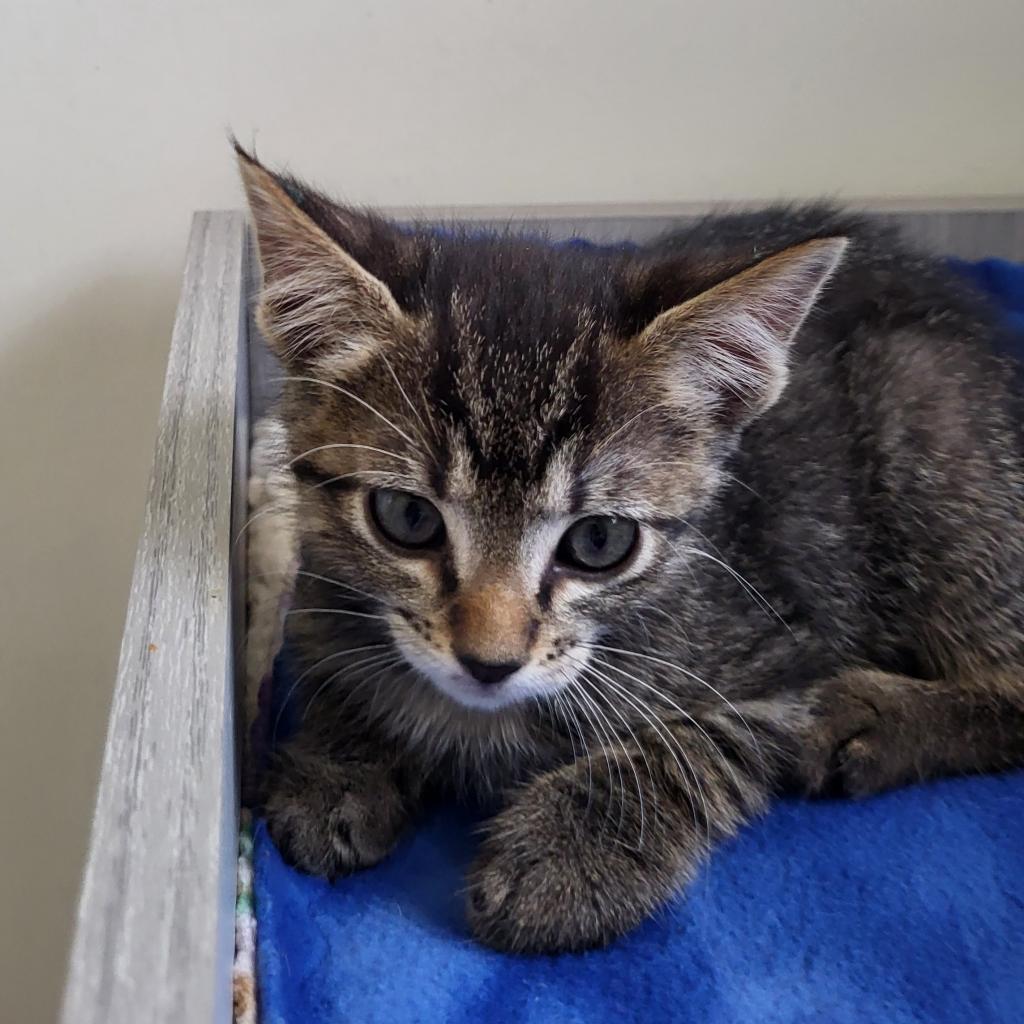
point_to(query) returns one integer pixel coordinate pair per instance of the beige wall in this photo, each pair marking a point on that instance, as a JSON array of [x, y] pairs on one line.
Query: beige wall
[[113, 117]]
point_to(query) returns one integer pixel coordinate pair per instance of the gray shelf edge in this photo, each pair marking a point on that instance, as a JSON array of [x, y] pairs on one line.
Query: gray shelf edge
[[154, 936]]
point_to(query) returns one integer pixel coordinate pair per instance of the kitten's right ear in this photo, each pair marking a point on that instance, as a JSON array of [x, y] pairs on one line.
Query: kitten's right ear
[[315, 296]]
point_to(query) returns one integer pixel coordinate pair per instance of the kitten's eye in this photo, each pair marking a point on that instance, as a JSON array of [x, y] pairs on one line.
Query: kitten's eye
[[407, 519], [598, 543]]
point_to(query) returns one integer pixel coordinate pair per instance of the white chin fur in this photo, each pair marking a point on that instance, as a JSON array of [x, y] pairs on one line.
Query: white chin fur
[[467, 691]]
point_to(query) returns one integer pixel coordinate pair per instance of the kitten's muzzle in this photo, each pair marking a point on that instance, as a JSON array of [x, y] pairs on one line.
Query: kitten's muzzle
[[492, 631], [489, 672]]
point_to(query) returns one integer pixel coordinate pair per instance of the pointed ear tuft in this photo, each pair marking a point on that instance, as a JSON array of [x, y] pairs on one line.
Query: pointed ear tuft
[[315, 296], [240, 151], [729, 345]]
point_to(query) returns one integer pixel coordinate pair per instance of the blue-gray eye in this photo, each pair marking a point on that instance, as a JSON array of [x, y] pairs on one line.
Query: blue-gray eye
[[598, 543], [407, 519]]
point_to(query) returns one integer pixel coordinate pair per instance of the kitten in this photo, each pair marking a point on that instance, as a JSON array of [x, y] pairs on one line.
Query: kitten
[[631, 540]]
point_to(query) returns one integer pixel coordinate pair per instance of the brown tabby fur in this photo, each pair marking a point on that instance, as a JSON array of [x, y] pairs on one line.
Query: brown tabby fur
[[829, 590]]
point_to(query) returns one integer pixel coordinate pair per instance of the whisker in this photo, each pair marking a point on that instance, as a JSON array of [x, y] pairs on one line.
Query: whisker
[[347, 476], [408, 402], [341, 444], [401, 677], [355, 398], [689, 465], [548, 707], [336, 583], [754, 593], [694, 721], [607, 760], [562, 705], [735, 479], [643, 625], [334, 611], [669, 741], [315, 576], [373, 660], [618, 430], [266, 510], [312, 668], [374, 677], [673, 744], [672, 620], [690, 718], [578, 689], [629, 760], [686, 672]]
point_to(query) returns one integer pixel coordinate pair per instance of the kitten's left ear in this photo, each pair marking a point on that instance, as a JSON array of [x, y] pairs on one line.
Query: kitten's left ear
[[728, 346], [315, 297]]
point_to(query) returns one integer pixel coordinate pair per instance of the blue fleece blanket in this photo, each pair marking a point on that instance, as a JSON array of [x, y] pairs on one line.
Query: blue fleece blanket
[[904, 909]]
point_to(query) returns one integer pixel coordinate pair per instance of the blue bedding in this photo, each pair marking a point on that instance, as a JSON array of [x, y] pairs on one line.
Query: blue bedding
[[904, 909]]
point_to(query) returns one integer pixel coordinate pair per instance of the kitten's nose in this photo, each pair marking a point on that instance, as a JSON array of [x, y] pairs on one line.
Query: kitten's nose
[[488, 672]]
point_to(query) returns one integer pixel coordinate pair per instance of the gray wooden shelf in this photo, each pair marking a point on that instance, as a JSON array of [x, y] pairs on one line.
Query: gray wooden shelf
[[154, 938]]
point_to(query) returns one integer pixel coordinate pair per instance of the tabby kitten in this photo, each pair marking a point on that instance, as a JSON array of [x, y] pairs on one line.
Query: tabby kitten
[[631, 541]]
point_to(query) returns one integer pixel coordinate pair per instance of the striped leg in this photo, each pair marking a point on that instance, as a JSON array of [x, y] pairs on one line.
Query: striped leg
[[869, 731], [587, 851]]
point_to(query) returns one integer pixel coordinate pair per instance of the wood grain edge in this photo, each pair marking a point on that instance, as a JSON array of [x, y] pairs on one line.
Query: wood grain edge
[[154, 938]]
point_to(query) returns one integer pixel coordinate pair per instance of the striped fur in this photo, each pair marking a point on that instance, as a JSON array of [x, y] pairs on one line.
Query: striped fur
[[827, 468]]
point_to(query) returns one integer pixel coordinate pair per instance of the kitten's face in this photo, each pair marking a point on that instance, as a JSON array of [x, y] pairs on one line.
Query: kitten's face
[[501, 441], [495, 554]]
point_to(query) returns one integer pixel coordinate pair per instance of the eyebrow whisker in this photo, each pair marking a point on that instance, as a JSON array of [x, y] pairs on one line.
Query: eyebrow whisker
[[355, 398]]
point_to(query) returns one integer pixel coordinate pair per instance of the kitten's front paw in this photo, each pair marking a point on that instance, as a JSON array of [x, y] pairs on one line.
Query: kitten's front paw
[[861, 740], [553, 875], [329, 818]]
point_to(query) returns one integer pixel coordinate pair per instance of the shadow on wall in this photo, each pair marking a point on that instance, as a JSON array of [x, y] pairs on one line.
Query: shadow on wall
[[79, 399]]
